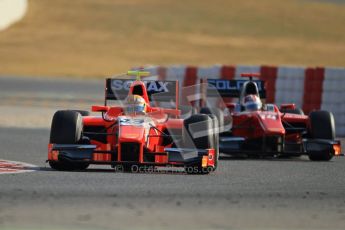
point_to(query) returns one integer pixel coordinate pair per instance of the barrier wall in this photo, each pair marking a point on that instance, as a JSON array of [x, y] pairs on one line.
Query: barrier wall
[[11, 11], [309, 88]]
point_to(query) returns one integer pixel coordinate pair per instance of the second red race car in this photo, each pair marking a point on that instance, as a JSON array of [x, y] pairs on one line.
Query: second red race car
[[254, 128], [135, 132]]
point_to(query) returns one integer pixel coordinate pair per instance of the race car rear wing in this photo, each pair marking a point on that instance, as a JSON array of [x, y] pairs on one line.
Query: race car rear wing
[[159, 91], [230, 88]]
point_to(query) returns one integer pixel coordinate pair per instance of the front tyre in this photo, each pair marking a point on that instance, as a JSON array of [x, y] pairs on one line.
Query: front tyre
[[66, 128], [68, 166], [321, 126], [199, 132]]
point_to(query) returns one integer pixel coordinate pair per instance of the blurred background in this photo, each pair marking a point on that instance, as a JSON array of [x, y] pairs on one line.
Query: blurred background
[[98, 38]]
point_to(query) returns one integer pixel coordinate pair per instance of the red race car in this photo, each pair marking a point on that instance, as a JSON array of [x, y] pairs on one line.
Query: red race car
[[255, 128], [135, 133]]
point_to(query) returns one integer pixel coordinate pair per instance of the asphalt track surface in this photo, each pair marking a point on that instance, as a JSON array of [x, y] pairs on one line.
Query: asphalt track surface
[[241, 194]]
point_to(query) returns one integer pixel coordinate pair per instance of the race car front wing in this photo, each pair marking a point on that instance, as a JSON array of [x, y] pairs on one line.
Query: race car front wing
[[171, 156]]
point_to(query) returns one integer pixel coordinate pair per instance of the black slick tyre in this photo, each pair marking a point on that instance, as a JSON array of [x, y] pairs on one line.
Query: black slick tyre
[[198, 133], [66, 128], [322, 126]]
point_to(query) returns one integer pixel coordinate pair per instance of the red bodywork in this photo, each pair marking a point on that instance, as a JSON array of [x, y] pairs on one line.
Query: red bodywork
[[264, 129], [265, 123], [257, 125], [136, 139]]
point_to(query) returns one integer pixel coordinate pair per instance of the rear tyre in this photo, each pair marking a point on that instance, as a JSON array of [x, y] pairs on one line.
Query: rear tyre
[[298, 111], [198, 133], [322, 126], [66, 128]]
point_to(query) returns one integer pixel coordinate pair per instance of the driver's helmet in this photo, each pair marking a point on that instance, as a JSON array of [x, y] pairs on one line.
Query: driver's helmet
[[135, 104], [252, 103]]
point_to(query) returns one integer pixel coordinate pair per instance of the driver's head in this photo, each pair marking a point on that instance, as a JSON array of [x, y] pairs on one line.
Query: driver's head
[[135, 104], [252, 103]]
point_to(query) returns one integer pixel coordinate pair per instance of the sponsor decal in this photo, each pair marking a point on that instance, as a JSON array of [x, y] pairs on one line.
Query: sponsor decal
[[131, 121], [10, 167], [231, 88], [151, 86], [117, 89], [231, 84]]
